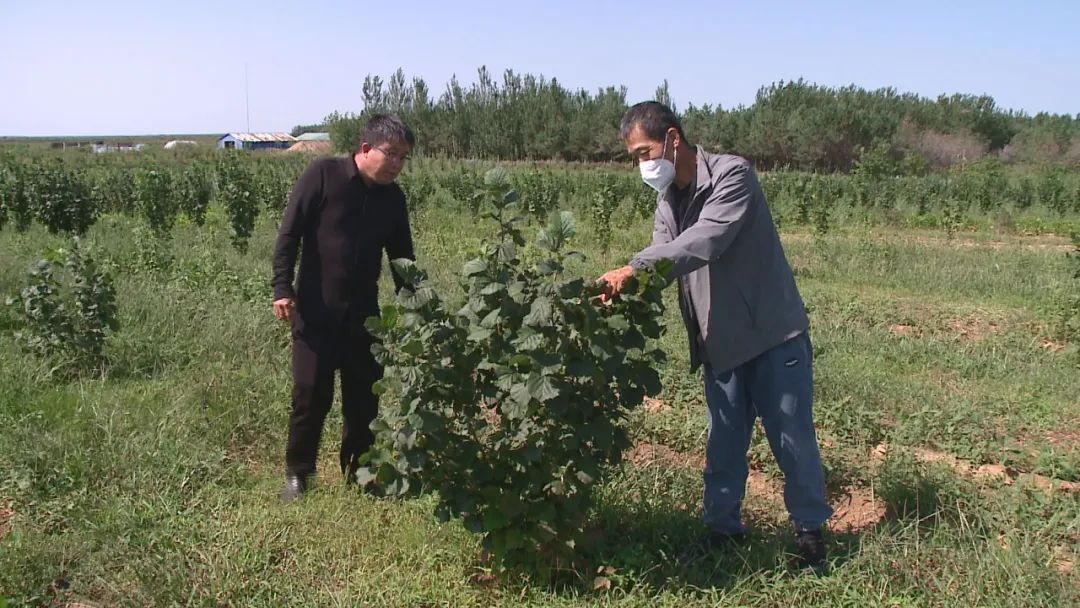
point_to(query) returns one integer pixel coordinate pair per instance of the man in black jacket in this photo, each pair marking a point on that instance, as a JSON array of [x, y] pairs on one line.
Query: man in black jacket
[[343, 212]]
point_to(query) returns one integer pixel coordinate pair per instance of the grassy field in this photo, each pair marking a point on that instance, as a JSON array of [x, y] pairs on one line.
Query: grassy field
[[946, 406]]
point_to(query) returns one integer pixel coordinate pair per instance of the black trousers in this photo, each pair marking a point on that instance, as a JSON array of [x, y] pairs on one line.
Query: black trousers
[[315, 358]]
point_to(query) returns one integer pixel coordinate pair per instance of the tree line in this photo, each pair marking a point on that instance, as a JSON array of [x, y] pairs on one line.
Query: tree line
[[794, 124]]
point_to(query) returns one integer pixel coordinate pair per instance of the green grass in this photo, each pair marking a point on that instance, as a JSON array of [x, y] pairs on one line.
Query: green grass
[[157, 484]]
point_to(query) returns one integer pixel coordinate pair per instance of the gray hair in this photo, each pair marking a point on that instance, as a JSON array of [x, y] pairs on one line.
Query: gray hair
[[387, 129]]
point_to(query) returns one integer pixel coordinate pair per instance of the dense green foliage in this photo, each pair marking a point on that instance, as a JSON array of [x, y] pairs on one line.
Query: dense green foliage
[[790, 124], [68, 194], [68, 307]]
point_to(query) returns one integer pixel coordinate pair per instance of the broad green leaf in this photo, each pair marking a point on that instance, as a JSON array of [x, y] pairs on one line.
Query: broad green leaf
[[497, 178], [517, 406], [415, 299], [507, 252], [379, 387], [618, 323], [474, 267], [479, 334], [516, 289], [492, 319], [413, 347], [559, 229], [378, 326], [542, 388], [530, 341], [548, 267], [507, 380], [427, 422], [539, 313], [379, 426], [549, 363], [494, 519]]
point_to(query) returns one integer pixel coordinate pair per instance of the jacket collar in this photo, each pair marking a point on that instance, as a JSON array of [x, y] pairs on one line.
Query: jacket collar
[[351, 171], [704, 171], [702, 179], [702, 185]]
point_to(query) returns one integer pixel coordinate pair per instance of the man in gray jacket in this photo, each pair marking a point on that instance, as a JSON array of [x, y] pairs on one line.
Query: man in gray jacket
[[745, 319]]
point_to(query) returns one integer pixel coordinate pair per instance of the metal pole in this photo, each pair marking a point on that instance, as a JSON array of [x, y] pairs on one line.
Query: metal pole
[[247, 99]]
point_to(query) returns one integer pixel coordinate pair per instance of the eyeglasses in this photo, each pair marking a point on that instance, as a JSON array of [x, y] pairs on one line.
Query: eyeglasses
[[643, 156], [397, 158]]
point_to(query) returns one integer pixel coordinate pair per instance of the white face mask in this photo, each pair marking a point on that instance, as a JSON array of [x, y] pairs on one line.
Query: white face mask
[[659, 173]]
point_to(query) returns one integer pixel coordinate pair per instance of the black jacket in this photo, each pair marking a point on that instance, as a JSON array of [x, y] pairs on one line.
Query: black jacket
[[343, 226]]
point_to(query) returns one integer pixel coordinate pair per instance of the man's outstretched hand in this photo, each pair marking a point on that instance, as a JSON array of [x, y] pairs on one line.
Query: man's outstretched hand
[[283, 309], [613, 282]]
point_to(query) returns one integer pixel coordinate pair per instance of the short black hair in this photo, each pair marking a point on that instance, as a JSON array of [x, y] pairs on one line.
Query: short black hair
[[387, 129], [655, 119]]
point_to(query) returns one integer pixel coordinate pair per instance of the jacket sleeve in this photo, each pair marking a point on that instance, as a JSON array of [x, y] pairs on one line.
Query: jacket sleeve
[[722, 215], [400, 243], [303, 199]]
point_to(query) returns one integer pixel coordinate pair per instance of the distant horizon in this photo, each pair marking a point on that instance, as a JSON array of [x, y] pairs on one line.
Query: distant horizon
[[680, 109]]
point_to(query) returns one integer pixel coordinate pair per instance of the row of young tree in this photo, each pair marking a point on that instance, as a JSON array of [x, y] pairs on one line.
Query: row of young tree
[[67, 193], [790, 124]]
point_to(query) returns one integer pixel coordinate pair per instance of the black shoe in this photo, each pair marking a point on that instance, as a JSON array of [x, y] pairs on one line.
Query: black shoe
[[295, 485], [810, 547]]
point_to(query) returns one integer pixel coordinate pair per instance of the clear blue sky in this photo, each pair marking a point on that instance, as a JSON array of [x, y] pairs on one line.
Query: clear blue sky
[[113, 67]]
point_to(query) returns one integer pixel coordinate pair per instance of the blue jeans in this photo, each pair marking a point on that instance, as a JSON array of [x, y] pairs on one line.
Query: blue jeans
[[777, 385]]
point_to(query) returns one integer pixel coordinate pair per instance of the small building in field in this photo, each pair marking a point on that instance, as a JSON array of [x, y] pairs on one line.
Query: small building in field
[[255, 141], [313, 137]]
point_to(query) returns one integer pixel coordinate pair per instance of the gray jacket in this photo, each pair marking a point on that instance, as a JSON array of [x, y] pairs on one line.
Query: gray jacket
[[736, 289]]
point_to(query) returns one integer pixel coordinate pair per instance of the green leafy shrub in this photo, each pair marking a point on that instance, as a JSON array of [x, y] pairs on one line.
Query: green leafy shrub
[[68, 308], [512, 406]]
